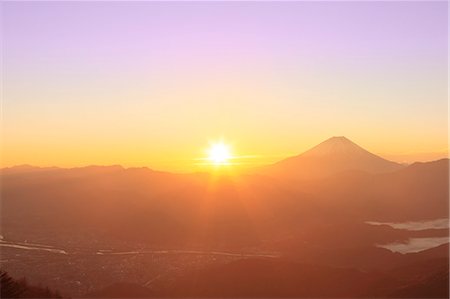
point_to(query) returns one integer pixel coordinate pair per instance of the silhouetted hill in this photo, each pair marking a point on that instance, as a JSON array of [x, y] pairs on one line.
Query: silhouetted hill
[[283, 278], [13, 288], [25, 168], [264, 278], [334, 155], [431, 286], [416, 192], [164, 209], [366, 258], [318, 227], [121, 290], [436, 252]]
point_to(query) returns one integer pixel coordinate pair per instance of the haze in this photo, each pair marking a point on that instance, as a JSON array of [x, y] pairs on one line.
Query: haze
[[240, 149], [151, 84]]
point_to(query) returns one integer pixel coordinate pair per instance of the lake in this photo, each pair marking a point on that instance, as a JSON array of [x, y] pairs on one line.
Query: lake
[[415, 244]]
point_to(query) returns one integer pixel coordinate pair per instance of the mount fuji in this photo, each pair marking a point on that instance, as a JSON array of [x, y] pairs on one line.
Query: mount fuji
[[332, 156]]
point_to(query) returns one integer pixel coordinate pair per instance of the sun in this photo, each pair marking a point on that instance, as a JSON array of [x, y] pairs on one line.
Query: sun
[[219, 154]]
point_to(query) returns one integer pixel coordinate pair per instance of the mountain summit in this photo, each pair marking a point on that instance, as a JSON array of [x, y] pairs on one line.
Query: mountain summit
[[339, 145], [334, 155]]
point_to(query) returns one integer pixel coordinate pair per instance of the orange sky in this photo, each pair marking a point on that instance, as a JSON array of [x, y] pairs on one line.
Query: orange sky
[[161, 81]]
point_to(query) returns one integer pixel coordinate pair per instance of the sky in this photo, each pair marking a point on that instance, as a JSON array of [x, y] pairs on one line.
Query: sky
[[154, 83]]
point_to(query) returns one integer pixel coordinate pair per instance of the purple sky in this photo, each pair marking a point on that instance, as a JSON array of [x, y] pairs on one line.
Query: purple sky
[[374, 71]]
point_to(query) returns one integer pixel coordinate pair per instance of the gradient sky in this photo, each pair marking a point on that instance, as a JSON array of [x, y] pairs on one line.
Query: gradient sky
[[152, 83]]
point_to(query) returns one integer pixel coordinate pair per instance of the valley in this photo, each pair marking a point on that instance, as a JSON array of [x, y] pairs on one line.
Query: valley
[[92, 231]]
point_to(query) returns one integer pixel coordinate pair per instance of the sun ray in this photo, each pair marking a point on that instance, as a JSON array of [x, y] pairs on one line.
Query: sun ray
[[219, 153]]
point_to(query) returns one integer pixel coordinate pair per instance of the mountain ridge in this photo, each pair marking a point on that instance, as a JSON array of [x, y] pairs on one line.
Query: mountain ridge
[[334, 155]]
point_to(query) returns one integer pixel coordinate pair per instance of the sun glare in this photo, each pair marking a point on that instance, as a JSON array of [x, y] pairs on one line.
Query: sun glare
[[219, 154]]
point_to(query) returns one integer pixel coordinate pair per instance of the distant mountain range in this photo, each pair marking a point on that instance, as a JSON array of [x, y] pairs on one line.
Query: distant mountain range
[[312, 209], [332, 156]]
